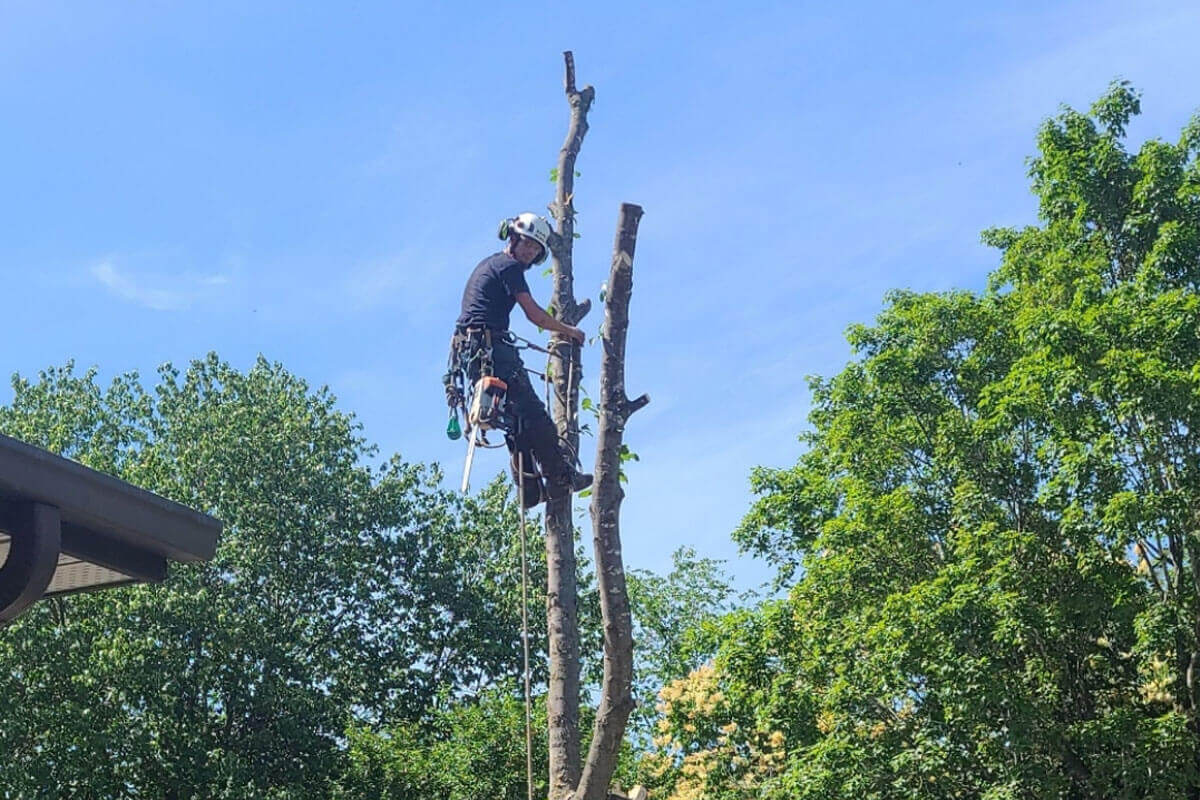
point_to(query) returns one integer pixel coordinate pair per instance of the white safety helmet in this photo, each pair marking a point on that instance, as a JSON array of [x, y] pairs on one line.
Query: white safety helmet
[[531, 225]]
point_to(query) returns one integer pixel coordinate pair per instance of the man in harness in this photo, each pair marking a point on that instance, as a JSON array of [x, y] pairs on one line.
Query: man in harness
[[497, 284]]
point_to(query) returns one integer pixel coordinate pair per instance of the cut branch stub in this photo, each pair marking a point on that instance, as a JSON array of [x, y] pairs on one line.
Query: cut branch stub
[[569, 80], [634, 405]]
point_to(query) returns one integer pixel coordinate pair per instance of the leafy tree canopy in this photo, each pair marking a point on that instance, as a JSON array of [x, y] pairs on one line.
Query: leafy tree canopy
[[993, 537], [342, 595]]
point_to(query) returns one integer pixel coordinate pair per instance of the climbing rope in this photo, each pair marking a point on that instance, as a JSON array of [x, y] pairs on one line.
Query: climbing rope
[[525, 625], [458, 385]]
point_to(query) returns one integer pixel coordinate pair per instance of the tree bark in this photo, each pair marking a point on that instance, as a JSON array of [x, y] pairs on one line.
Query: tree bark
[[616, 699], [562, 618]]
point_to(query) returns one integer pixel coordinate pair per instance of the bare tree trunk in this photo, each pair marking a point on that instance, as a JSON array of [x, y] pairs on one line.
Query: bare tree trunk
[[616, 702], [562, 618], [616, 699]]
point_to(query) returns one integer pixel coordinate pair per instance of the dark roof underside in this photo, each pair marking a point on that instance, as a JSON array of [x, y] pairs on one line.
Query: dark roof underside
[[92, 530]]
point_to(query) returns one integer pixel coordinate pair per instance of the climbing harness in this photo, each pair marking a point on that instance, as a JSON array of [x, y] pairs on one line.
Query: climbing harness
[[474, 392]]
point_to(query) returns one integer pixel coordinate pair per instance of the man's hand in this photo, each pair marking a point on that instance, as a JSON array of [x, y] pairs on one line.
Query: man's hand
[[535, 314]]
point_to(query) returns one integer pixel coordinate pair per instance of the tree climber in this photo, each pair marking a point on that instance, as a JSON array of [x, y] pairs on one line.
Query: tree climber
[[496, 285]]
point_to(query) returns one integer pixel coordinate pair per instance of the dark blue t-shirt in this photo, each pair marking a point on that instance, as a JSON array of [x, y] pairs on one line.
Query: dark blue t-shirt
[[492, 292]]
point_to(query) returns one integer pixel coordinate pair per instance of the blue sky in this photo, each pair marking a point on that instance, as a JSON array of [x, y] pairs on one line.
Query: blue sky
[[313, 182]]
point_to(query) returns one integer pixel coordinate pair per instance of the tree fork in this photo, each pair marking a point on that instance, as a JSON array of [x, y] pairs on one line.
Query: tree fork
[[616, 698], [562, 617]]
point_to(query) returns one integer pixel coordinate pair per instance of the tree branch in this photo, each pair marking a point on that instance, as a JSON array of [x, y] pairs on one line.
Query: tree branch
[[562, 616], [569, 82], [616, 691], [563, 208], [632, 406]]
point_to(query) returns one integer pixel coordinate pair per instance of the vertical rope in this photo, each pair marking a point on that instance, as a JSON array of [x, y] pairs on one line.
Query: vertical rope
[[568, 405], [525, 625]]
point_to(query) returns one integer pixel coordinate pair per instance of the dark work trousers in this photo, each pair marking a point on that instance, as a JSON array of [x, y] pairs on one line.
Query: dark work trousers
[[536, 433]]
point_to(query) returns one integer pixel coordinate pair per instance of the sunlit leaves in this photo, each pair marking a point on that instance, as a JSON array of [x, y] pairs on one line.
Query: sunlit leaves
[[991, 539], [342, 593]]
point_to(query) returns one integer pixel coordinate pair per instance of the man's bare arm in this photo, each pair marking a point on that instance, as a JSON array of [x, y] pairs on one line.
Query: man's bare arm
[[535, 314]]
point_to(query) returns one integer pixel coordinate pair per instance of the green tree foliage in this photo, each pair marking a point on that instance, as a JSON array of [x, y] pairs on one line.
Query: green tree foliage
[[474, 750], [468, 751], [674, 619], [343, 596], [993, 537], [356, 636], [672, 613]]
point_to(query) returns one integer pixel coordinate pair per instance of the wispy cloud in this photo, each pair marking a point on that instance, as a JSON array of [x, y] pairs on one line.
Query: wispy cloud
[[418, 283], [156, 292], [439, 144], [381, 283]]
